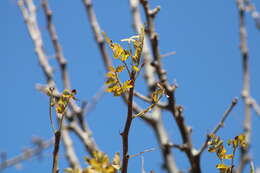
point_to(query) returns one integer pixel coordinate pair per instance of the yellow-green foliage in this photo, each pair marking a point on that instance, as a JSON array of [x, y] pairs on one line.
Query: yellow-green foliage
[[99, 163], [216, 146], [113, 81], [62, 102]]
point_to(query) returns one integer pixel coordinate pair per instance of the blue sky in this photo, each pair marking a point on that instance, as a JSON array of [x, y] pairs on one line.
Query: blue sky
[[207, 68]]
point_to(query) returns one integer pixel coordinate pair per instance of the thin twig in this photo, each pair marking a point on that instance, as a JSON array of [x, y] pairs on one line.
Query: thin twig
[[142, 152], [168, 54], [149, 100], [219, 125]]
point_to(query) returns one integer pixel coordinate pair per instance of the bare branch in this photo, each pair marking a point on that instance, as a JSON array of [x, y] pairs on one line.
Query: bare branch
[[246, 83], [155, 120], [97, 32], [85, 136], [177, 111], [27, 154], [69, 149], [29, 15], [58, 50]]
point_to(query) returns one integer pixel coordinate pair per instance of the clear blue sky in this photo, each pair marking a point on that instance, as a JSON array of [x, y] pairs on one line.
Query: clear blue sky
[[207, 68]]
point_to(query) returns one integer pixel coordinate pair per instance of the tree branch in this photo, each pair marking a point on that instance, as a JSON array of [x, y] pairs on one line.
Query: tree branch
[[177, 111], [85, 136], [69, 149], [27, 154], [128, 123], [154, 119], [97, 32], [55, 42], [246, 82], [29, 15]]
